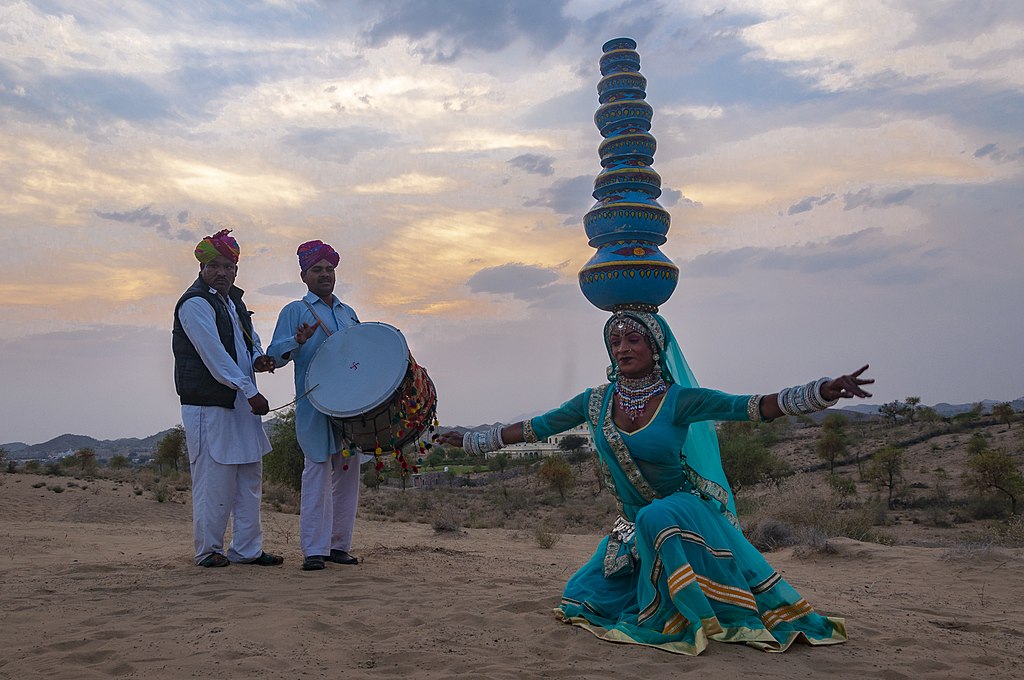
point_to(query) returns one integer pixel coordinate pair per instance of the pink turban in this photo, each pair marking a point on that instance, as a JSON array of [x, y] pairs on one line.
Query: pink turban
[[312, 252], [218, 244]]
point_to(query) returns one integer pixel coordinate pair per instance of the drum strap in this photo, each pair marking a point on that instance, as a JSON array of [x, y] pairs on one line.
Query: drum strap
[[317, 317]]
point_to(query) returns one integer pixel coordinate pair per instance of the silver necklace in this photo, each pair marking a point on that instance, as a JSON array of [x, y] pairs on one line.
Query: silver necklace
[[634, 393]]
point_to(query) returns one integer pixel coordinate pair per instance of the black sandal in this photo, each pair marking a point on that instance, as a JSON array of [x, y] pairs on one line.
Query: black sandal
[[342, 557], [313, 563]]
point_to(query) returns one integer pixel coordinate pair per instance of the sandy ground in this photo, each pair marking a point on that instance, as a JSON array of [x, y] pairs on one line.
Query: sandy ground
[[99, 582]]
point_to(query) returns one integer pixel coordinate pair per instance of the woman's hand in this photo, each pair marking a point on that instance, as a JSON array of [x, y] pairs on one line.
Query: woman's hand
[[847, 386], [451, 438]]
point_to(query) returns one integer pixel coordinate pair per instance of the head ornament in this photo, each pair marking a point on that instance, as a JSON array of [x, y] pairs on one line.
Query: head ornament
[[312, 252], [220, 243]]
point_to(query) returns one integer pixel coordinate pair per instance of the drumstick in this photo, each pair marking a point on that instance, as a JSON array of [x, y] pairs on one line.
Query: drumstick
[[296, 399]]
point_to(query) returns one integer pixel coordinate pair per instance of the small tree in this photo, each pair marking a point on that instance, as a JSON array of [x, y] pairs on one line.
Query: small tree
[[499, 462], [3, 455], [86, 458], [118, 462], [435, 458], [285, 461], [372, 479], [571, 443], [893, 410], [830, 447], [556, 473], [1004, 412], [926, 414], [911, 407], [887, 470], [977, 444], [171, 450], [745, 458], [995, 469]]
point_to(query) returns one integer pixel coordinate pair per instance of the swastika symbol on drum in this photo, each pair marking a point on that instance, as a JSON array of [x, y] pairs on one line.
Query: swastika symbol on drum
[[354, 366]]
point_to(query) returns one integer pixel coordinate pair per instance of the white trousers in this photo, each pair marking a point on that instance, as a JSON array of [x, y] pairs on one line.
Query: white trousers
[[218, 492], [327, 513]]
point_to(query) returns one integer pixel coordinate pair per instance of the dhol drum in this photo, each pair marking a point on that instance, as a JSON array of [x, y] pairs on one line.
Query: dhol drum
[[366, 380]]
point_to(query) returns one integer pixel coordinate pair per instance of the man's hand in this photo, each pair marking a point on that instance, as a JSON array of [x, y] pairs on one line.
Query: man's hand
[[264, 364], [258, 404], [305, 332]]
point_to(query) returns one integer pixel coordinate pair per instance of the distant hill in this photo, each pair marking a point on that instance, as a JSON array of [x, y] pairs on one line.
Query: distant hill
[[942, 408], [131, 446], [104, 448]]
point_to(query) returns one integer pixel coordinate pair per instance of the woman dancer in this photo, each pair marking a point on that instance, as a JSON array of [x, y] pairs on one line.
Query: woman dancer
[[676, 569]]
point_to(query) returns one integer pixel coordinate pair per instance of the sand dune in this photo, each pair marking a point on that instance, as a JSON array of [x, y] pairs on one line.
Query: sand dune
[[99, 583]]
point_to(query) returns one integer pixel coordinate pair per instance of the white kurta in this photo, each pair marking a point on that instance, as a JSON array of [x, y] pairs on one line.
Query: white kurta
[[225, 446]]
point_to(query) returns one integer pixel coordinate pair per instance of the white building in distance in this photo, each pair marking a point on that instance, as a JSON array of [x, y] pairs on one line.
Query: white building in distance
[[549, 446]]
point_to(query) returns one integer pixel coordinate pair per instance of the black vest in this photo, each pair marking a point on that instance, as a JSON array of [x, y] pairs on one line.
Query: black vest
[[192, 379]]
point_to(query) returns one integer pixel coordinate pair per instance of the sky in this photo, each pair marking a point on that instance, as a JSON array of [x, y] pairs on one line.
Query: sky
[[844, 181]]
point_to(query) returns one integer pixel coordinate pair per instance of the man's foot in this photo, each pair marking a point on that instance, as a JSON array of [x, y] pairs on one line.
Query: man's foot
[[214, 560], [341, 557], [267, 560], [313, 562]]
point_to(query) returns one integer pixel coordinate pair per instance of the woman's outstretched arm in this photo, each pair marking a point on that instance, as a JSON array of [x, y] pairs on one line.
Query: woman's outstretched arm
[[845, 386]]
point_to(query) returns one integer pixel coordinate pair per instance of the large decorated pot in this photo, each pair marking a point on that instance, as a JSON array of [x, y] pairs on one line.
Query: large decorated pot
[[626, 224]]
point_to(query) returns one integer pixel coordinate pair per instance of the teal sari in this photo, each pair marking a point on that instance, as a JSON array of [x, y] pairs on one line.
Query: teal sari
[[676, 571]]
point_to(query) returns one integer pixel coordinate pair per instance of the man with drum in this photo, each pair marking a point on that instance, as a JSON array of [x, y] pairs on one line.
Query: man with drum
[[214, 346], [330, 478]]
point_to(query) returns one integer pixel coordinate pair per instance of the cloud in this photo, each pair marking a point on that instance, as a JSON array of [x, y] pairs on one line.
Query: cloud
[[442, 37], [995, 153], [810, 203], [866, 198], [567, 197], [525, 282], [880, 259], [291, 290], [339, 145], [533, 163], [146, 218]]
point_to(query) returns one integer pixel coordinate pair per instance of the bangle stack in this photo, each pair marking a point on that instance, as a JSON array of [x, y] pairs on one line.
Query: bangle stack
[[481, 442], [804, 399]]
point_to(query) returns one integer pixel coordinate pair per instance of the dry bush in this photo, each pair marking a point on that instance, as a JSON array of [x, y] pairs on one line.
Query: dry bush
[[161, 493], [545, 536], [800, 515], [281, 497], [983, 548], [446, 520], [1014, 536]]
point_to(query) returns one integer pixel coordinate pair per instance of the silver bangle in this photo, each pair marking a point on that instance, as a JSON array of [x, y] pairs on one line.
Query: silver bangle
[[804, 399], [482, 442]]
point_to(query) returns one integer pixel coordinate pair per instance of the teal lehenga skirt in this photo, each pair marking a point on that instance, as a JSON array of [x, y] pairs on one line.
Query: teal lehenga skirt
[[685, 576]]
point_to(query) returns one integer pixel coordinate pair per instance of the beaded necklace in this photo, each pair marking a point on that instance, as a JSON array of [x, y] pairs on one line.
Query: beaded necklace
[[634, 393]]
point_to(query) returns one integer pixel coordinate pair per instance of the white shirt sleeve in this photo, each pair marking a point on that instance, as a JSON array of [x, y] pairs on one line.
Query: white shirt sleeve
[[200, 325]]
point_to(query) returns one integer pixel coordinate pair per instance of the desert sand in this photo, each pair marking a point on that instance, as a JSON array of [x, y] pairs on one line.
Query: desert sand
[[99, 582]]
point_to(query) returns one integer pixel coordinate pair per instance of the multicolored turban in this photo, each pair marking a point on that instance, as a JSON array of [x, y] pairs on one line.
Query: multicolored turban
[[312, 252], [218, 244]]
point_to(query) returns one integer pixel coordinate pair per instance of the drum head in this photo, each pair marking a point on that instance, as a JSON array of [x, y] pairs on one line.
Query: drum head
[[357, 369]]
